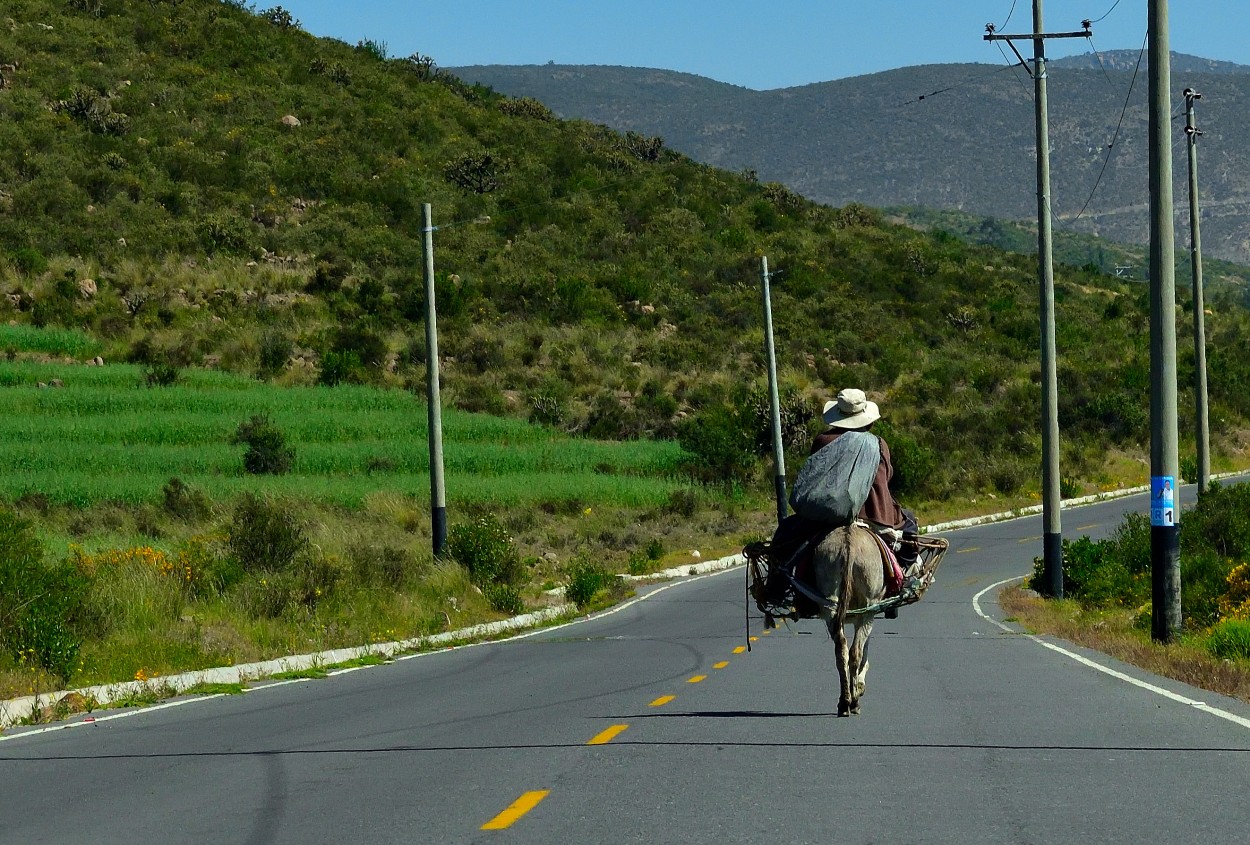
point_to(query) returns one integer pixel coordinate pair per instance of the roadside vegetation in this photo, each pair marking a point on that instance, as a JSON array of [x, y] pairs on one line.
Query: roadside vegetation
[[1107, 595], [213, 347]]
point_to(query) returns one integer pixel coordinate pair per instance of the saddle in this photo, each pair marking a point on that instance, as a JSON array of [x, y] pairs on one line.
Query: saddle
[[779, 570]]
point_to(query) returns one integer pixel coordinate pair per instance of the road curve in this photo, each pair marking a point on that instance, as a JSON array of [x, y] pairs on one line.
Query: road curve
[[652, 724]]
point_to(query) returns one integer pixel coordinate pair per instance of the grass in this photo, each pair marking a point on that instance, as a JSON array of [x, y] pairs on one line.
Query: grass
[[1112, 632], [105, 437]]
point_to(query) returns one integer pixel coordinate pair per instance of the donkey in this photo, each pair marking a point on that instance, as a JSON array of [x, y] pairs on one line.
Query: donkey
[[847, 567]]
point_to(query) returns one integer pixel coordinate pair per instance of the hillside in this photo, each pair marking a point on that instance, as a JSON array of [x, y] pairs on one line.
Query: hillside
[[241, 195], [954, 137], [215, 351]]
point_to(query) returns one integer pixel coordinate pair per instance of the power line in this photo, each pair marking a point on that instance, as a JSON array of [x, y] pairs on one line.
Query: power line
[[1009, 14], [1109, 11], [1110, 147], [959, 84]]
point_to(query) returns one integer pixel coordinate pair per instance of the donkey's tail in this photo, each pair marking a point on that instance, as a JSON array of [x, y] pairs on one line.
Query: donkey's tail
[[843, 596]]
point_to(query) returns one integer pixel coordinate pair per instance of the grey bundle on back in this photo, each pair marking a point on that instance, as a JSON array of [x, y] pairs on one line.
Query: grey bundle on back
[[833, 484]]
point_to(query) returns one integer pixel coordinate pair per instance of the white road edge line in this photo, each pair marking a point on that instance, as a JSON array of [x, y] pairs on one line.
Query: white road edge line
[[126, 714], [1106, 670]]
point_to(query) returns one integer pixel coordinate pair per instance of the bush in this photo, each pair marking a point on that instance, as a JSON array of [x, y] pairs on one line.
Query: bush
[[586, 579], [340, 368], [505, 598], [267, 452], [1204, 576], [1220, 521], [1115, 571], [386, 566], [264, 536], [721, 447], [185, 502], [160, 374], [1230, 640], [915, 466], [42, 608], [485, 548], [30, 261], [275, 351]]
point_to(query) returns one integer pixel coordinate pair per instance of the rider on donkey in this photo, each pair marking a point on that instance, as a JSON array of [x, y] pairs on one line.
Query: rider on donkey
[[858, 471]]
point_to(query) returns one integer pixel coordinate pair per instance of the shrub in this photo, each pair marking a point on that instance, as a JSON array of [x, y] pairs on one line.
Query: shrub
[[586, 579], [915, 465], [160, 374], [1220, 521], [1235, 601], [185, 502], [267, 452], [340, 368], [1230, 640], [683, 503], [42, 608], [387, 566], [264, 536], [275, 350], [722, 449], [30, 261], [505, 598], [1107, 572], [1205, 577], [485, 548]]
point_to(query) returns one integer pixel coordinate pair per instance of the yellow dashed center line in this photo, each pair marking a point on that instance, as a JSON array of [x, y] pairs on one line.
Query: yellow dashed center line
[[519, 807], [1028, 539], [969, 549], [696, 679], [720, 665], [607, 736], [740, 649], [662, 700], [1087, 527], [754, 639]]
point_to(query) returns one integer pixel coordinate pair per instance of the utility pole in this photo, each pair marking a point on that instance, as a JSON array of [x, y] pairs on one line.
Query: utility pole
[[1165, 617], [1202, 439], [1052, 531], [438, 493], [779, 454]]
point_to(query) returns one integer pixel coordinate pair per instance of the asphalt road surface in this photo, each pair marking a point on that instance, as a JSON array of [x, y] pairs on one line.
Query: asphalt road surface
[[652, 724]]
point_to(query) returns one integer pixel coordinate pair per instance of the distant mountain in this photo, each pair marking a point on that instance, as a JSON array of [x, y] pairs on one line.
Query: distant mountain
[[1182, 63], [956, 136]]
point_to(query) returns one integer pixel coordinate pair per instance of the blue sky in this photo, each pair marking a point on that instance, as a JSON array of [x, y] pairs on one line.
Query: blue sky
[[761, 44]]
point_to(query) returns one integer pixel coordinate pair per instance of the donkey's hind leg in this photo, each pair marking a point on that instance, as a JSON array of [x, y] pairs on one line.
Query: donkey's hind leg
[[841, 650], [858, 668]]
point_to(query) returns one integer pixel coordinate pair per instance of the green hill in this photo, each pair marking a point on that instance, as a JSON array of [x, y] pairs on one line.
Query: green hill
[[242, 195], [226, 213]]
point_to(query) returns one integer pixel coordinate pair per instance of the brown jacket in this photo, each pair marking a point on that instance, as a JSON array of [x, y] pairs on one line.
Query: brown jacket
[[881, 506]]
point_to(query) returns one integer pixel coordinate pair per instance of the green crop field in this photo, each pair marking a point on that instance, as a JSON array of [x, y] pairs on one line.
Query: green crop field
[[106, 436]]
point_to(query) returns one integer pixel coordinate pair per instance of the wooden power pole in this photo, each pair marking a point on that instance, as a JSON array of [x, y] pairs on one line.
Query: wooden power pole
[[1165, 619], [1052, 531], [1202, 432]]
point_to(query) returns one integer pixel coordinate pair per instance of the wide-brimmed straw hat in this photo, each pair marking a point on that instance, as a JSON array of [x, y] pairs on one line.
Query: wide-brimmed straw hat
[[851, 410]]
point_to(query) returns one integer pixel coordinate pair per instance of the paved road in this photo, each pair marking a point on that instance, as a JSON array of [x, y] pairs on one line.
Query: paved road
[[650, 725]]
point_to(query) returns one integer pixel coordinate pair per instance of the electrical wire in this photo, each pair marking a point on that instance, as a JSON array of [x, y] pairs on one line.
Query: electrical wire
[[959, 84], [1110, 147], [1109, 11], [1009, 14]]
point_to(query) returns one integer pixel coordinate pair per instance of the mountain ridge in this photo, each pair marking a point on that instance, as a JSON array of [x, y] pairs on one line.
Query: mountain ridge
[[949, 137]]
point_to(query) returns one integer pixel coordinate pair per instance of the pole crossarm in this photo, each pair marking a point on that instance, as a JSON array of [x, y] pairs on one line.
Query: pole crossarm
[[995, 36]]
